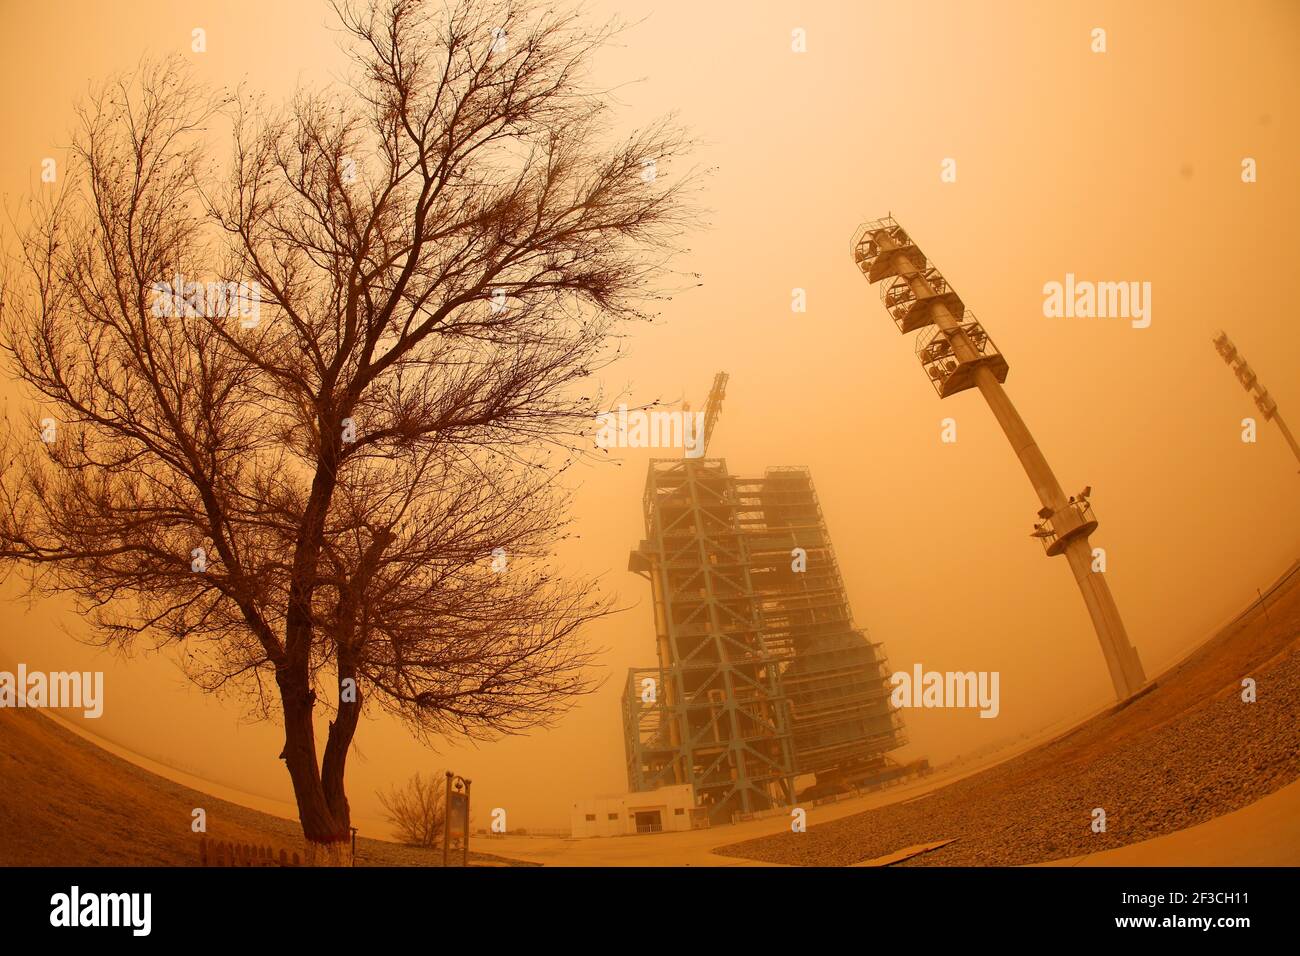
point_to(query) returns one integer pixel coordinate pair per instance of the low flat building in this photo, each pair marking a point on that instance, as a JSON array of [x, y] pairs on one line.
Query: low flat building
[[651, 811]]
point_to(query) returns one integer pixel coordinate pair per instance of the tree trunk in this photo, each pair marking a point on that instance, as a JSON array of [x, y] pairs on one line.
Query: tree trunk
[[328, 836], [328, 840], [338, 853], [333, 767]]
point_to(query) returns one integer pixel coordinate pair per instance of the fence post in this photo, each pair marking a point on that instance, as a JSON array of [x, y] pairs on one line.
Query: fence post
[[465, 836], [220, 853]]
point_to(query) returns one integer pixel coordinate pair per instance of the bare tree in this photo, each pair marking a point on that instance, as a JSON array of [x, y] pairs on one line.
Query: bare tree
[[416, 810], [338, 486]]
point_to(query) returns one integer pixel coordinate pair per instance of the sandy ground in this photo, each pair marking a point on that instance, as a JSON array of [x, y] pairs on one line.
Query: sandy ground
[[66, 802]]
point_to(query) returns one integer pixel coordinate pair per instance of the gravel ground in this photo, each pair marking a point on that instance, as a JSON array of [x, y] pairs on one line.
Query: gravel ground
[[1186, 752]]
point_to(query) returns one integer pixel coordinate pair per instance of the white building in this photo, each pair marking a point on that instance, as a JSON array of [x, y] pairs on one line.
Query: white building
[[655, 811]]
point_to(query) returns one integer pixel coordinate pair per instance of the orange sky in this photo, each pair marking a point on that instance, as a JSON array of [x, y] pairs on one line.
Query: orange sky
[[1123, 166]]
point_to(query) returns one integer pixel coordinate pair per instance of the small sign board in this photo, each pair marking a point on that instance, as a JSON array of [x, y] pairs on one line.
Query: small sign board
[[457, 815]]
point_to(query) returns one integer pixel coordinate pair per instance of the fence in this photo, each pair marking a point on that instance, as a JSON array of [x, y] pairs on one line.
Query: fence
[[220, 853], [487, 834]]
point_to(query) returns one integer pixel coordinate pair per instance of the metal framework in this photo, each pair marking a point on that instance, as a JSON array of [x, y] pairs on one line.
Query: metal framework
[[762, 676], [836, 681], [958, 354]]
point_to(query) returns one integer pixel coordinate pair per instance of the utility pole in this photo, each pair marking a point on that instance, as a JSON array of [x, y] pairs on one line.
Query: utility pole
[[1263, 401], [956, 353]]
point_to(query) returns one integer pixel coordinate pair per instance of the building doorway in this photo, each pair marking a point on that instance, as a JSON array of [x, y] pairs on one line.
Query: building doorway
[[649, 821]]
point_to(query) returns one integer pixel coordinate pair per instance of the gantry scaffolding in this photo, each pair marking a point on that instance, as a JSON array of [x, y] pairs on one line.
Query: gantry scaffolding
[[762, 676]]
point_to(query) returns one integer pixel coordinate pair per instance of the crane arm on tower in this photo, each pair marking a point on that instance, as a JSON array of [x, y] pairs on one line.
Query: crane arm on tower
[[714, 405]]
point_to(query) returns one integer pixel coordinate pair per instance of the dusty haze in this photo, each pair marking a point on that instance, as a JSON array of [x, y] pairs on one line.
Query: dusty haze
[[1123, 166]]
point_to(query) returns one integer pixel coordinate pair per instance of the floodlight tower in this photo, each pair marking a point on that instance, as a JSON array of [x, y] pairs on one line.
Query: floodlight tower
[[958, 354], [1263, 401]]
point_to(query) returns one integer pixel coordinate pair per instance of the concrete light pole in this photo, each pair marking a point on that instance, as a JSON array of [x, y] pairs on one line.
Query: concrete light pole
[[1263, 401], [958, 354]]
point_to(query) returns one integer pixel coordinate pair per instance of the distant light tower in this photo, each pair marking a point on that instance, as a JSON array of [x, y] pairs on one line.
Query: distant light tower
[[1263, 401], [958, 354]]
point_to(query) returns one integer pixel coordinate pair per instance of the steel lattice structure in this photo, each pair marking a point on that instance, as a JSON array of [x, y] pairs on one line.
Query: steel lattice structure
[[762, 676]]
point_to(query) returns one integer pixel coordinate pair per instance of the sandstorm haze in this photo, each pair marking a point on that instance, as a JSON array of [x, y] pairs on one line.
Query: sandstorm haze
[[1123, 166]]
